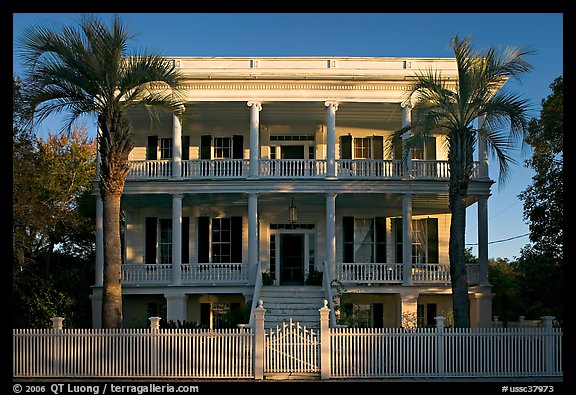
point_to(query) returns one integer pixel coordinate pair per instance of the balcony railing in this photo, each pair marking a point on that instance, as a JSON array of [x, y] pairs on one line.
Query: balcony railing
[[191, 273], [369, 168], [392, 273], [293, 168], [218, 168]]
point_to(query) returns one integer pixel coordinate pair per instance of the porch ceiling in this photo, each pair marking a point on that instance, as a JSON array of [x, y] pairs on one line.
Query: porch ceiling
[[370, 115], [421, 204]]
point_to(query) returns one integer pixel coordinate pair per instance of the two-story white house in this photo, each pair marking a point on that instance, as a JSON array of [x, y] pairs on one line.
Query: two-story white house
[[284, 166]]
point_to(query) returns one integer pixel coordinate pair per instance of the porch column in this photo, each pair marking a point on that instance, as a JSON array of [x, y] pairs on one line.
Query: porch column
[[408, 309], [252, 236], [99, 264], [406, 120], [96, 298], [176, 306], [481, 307], [331, 233], [177, 239], [331, 108], [483, 239], [255, 108], [482, 151], [176, 147], [407, 238]]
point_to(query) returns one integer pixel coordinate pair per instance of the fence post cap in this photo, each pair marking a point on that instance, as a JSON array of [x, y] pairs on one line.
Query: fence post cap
[[155, 322], [57, 322]]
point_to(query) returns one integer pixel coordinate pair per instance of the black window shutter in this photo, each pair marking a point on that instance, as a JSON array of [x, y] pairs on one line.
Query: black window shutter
[[346, 147], [377, 147], [236, 239], [380, 227], [398, 232], [430, 147], [185, 147], [378, 315], [432, 225], [185, 239], [205, 147], [203, 239], [237, 146], [398, 150], [152, 148], [348, 237], [205, 315], [431, 312], [151, 229]]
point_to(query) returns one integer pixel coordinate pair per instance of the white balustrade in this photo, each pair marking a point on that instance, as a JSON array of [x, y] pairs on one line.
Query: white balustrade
[[369, 168], [292, 168], [146, 274], [372, 273], [214, 273], [150, 169]]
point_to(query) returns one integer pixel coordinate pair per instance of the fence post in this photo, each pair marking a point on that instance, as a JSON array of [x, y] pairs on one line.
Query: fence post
[[548, 343], [154, 330], [56, 354], [324, 341], [259, 341], [440, 353]]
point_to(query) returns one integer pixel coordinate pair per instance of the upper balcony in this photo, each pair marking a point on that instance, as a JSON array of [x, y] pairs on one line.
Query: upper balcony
[[292, 169]]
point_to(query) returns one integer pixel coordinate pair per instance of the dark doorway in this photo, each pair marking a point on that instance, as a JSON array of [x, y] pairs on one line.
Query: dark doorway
[[292, 152], [291, 259]]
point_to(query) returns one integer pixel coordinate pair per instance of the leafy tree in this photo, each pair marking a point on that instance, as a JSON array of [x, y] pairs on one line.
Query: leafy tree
[[53, 233], [541, 264], [441, 109], [85, 70], [507, 302]]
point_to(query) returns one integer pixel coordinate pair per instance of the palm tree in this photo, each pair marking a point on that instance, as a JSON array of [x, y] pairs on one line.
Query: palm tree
[[443, 109], [85, 70]]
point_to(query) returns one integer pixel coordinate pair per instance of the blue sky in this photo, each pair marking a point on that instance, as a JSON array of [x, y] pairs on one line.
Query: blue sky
[[357, 34]]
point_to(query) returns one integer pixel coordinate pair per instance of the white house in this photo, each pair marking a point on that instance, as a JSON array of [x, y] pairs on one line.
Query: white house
[[285, 166]]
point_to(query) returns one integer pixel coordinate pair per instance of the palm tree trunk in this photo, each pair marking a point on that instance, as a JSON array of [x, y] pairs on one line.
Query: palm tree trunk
[[112, 286], [459, 277]]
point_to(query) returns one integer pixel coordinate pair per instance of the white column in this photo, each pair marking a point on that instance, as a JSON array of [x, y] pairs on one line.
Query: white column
[[482, 150], [331, 108], [176, 239], [96, 298], [176, 306], [406, 120], [99, 266], [407, 238], [408, 309], [483, 239], [255, 108], [331, 233], [252, 235], [176, 147]]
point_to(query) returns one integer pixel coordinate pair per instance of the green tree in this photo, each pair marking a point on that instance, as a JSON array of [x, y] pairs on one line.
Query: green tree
[[441, 109], [541, 264], [53, 233], [86, 70], [507, 301]]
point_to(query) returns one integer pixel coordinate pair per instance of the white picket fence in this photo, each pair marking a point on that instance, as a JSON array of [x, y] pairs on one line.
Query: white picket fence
[[255, 353]]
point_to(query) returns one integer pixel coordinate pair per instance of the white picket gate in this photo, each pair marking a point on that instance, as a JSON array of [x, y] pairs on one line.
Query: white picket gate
[[291, 348]]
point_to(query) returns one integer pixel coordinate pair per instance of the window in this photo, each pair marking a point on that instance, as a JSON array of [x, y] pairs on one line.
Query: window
[[424, 240], [166, 148], [362, 148], [364, 240], [222, 147], [426, 315], [221, 240]]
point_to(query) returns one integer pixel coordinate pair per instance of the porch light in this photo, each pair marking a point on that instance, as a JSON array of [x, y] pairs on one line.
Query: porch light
[[292, 215]]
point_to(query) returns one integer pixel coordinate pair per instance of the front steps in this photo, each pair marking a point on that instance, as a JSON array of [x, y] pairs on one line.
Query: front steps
[[300, 302]]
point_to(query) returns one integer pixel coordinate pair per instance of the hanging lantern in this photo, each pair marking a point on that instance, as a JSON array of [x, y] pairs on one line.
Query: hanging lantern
[[292, 215]]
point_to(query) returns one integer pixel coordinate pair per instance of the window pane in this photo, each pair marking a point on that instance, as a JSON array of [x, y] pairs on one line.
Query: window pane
[[363, 240]]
